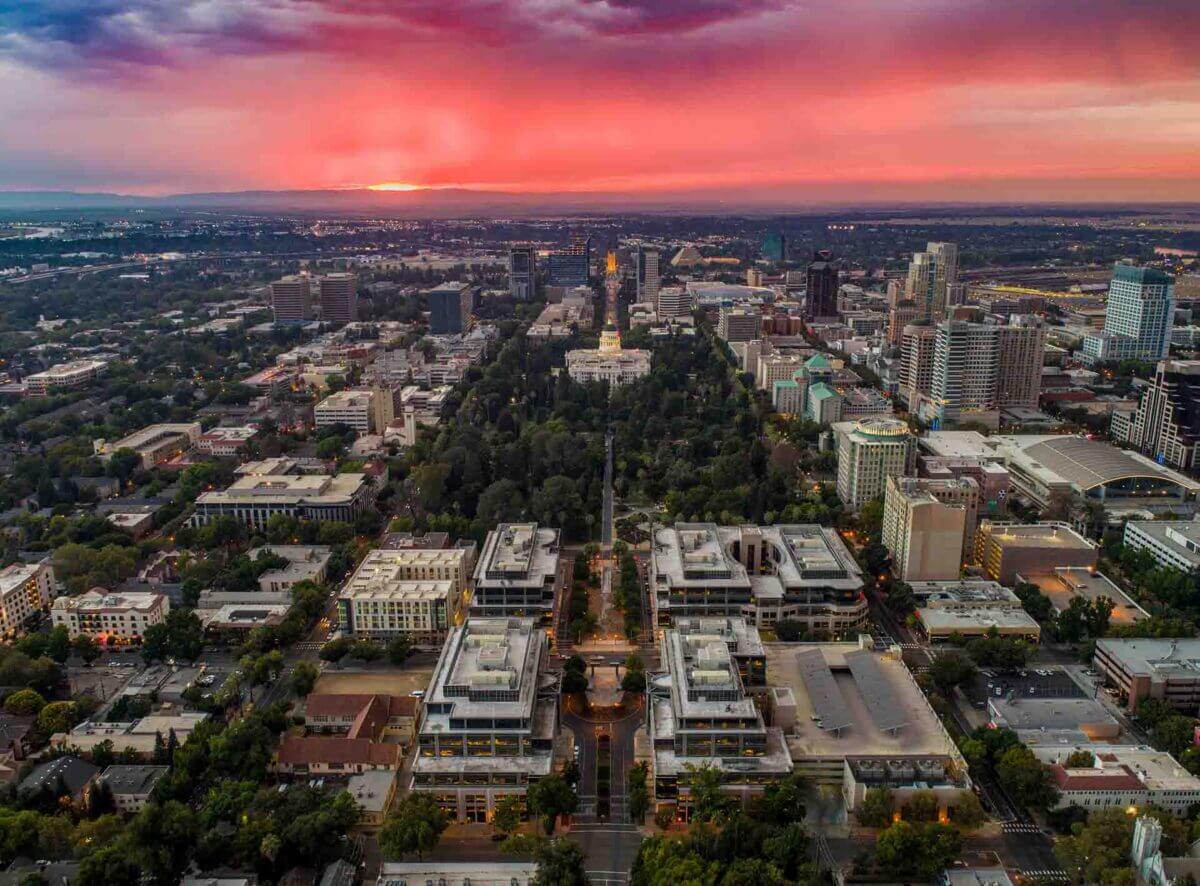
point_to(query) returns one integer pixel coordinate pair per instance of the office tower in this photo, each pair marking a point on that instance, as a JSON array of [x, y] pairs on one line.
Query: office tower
[[754, 277], [522, 273], [930, 275], [647, 275], [774, 246], [571, 266], [895, 292], [917, 345], [1166, 425], [1137, 317], [450, 306], [1022, 351], [673, 301], [924, 535], [291, 299], [966, 363], [739, 324], [868, 452], [901, 314], [339, 298], [822, 280]]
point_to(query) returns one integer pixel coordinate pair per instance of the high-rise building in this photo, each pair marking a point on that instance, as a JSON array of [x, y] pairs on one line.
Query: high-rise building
[[1166, 425], [774, 246], [738, 323], [1137, 317], [923, 534], [522, 272], [822, 281], [647, 275], [571, 266], [931, 274], [980, 368], [900, 315], [291, 299], [339, 298], [450, 306], [917, 345], [868, 452], [1022, 351], [673, 301]]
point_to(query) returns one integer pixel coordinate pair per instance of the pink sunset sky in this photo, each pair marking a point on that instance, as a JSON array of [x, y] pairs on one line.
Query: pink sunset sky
[[857, 99]]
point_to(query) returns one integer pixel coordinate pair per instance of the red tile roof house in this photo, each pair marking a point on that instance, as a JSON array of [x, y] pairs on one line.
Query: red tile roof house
[[354, 728]]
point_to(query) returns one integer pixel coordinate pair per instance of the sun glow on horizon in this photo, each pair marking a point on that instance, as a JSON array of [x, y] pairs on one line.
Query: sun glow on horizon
[[395, 186]]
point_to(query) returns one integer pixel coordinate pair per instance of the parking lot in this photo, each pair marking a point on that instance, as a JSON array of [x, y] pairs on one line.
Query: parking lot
[[1033, 682]]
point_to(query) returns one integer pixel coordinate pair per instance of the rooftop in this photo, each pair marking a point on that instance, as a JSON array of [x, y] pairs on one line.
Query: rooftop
[[975, 619], [518, 555], [964, 593], [133, 779], [1161, 658], [1065, 583], [1046, 536], [1134, 765], [869, 729], [288, 487]]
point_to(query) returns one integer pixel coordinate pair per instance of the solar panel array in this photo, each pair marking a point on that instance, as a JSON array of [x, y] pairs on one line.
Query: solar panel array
[[879, 697], [827, 700]]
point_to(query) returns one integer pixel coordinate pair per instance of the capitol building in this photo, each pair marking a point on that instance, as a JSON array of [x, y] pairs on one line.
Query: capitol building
[[610, 362]]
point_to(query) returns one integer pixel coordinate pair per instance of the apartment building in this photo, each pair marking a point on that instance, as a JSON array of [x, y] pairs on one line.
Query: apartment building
[[25, 590], [374, 605], [489, 722], [924, 533], [109, 618]]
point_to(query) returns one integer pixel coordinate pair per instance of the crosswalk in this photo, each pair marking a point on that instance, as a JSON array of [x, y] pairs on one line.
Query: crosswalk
[[1019, 827], [1047, 874]]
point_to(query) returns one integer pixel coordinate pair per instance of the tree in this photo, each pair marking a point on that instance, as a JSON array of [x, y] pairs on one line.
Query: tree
[[57, 716], [575, 663], [709, 802], [1026, 778], [783, 801], [86, 648], [399, 649], [304, 677], [639, 793], [365, 650], [508, 814], [559, 863], [923, 850], [921, 806], [414, 826], [1097, 847], [24, 703], [752, 872], [951, 669], [335, 650], [551, 797], [788, 850], [573, 683], [789, 630], [634, 679], [58, 644], [1080, 760], [967, 813], [875, 810]]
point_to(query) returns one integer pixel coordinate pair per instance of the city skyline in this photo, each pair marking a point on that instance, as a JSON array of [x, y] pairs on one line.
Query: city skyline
[[756, 101]]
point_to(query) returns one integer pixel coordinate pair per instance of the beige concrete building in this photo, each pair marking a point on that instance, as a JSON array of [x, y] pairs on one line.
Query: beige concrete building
[[154, 444], [111, 619], [868, 452], [366, 411], [923, 534], [70, 376], [25, 589]]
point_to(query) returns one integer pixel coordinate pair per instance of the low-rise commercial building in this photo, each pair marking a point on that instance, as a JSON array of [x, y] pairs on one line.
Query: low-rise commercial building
[[304, 563], [139, 737], [490, 718], [110, 619], [70, 376], [954, 609], [1122, 777], [132, 785], [1041, 721], [699, 713], [364, 411], [517, 573], [225, 442], [25, 590], [1174, 543], [373, 793], [254, 499], [1007, 551], [155, 444], [763, 574], [1144, 668]]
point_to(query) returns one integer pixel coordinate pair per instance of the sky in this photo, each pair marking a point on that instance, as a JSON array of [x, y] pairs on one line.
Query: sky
[[821, 100]]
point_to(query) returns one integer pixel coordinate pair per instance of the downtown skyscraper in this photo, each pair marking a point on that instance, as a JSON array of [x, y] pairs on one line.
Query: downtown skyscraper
[[1137, 317], [931, 275]]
